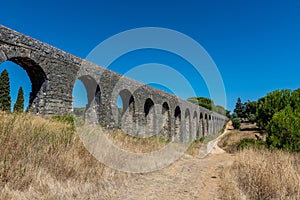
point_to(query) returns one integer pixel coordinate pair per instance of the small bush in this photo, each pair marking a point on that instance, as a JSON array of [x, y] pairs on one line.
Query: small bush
[[250, 143], [236, 123], [201, 139], [67, 118]]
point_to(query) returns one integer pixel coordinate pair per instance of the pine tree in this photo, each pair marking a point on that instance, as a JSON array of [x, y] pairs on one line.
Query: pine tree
[[19, 105], [5, 99], [239, 108]]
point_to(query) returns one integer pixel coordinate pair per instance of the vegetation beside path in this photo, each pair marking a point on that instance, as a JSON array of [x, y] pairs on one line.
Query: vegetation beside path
[[257, 172]]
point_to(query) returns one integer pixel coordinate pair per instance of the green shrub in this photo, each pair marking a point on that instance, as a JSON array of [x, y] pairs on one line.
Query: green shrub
[[201, 139], [295, 99], [284, 130], [68, 118], [252, 118], [236, 123], [251, 143], [234, 115]]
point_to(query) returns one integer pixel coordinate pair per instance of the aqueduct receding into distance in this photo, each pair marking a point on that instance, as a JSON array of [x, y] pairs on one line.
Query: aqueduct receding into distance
[[53, 74]]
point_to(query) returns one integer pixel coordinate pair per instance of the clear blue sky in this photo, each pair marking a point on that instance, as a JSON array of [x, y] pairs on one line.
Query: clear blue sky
[[255, 44]]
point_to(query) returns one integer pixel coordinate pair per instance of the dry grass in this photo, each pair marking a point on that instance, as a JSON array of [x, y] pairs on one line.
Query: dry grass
[[229, 142], [135, 144], [195, 147], [42, 158], [262, 174]]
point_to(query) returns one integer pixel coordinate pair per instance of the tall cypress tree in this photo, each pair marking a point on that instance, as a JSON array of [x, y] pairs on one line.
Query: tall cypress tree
[[239, 108], [5, 99], [19, 105]]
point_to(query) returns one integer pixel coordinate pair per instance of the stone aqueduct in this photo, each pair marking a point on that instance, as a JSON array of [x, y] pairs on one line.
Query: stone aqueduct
[[53, 74]]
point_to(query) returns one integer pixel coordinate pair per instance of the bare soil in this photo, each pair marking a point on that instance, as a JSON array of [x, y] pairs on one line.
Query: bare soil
[[188, 178], [191, 177]]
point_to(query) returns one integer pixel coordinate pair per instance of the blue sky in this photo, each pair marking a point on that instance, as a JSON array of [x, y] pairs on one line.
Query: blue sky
[[255, 44]]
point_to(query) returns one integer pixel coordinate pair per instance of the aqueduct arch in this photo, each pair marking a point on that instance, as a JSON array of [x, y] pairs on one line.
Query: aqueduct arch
[[53, 73]]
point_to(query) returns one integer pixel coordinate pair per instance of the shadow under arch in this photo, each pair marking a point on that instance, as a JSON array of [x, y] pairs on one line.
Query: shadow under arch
[[201, 125], [149, 117], [166, 126], [126, 116], [187, 120], [205, 124], [195, 132], [177, 124], [148, 106], [39, 82], [209, 130]]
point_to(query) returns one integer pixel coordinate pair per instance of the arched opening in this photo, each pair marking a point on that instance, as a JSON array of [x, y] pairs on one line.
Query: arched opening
[[209, 130], [213, 125], [87, 99], [187, 124], [120, 110], [206, 124], [149, 116], [126, 110], [177, 116], [195, 126], [148, 106], [80, 101], [201, 125], [218, 124], [25, 73], [166, 120]]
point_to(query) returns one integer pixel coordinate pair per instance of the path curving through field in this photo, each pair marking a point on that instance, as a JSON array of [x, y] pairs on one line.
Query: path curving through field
[[187, 178]]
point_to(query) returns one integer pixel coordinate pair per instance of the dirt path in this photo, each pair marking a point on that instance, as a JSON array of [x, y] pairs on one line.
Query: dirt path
[[188, 178]]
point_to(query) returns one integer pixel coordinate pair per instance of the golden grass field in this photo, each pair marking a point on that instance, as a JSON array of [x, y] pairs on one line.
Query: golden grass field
[[44, 159]]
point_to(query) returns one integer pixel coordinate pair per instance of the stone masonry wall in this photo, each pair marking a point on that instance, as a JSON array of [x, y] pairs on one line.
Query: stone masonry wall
[[53, 73]]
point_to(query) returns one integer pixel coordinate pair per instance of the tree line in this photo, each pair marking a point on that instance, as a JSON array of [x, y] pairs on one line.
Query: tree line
[[5, 98], [278, 113]]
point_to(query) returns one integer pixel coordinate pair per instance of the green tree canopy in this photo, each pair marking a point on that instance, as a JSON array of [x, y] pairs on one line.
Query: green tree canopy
[[202, 101], [19, 105], [220, 109], [295, 99], [209, 104], [272, 103], [5, 99], [250, 107]]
